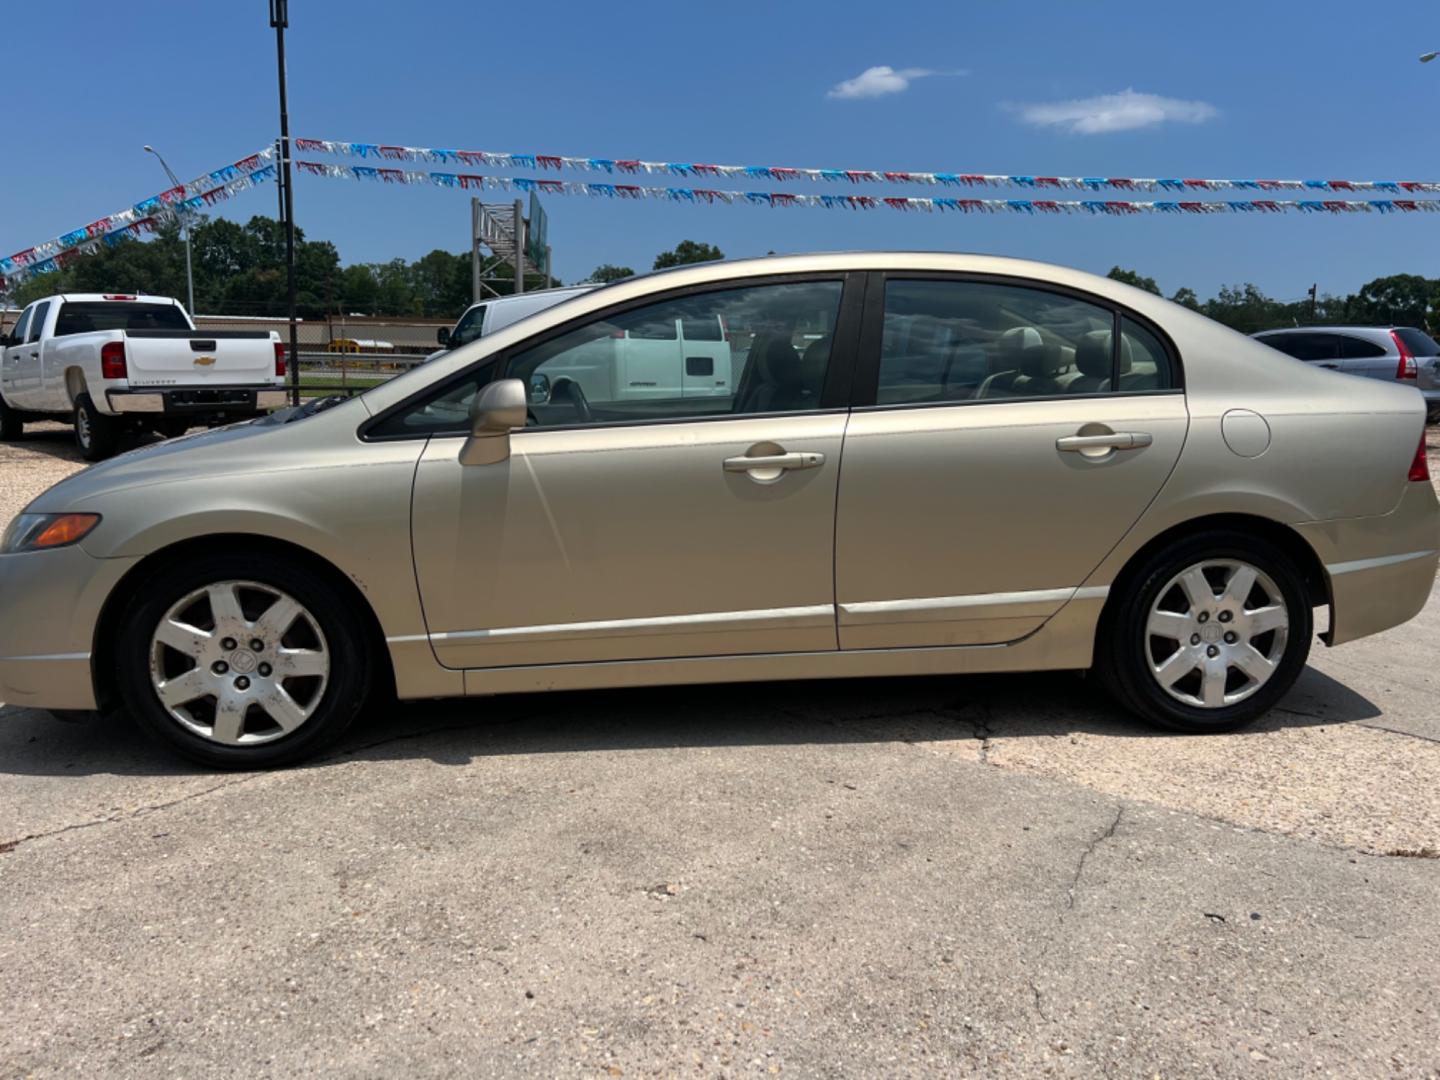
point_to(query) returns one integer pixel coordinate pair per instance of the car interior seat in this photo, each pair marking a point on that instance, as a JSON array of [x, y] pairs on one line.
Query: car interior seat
[[1030, 366], [1092, 363], [773, 376]]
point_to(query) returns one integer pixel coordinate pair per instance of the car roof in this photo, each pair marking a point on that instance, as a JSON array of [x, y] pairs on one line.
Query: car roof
[[1335, 329], [139, 298]]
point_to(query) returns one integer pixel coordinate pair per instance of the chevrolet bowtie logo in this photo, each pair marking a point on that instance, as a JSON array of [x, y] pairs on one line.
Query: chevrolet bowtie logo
[[204, 361]]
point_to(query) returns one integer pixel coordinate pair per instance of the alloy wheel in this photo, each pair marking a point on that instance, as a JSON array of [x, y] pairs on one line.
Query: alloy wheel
[[239, 663], [1216, 633]]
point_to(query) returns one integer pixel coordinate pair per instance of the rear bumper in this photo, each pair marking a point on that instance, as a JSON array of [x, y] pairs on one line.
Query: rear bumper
[[197, 400], [51, 604], [1380, 569]]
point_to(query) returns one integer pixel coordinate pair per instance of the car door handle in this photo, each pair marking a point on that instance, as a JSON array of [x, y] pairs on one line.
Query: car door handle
[[1118, 440], [1332, 367], [808, 459]]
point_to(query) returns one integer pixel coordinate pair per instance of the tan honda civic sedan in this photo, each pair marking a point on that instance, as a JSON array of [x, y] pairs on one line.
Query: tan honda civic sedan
[[800, 467]]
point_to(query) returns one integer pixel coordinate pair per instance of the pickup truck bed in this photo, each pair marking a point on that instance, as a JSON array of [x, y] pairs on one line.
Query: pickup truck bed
[[114, 362]]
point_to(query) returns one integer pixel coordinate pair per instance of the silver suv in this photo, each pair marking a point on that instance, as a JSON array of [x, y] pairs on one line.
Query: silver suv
[[1394, 353]]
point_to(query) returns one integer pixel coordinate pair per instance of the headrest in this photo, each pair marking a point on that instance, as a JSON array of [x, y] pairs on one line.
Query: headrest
[[779, 363], [1092, 354], [1019, 338], [1041, 361], [1022, 347]]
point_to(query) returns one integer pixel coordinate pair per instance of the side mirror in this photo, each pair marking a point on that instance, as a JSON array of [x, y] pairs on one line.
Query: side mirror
[[540, 387], [442, 336], [496, 411], [6, 340]]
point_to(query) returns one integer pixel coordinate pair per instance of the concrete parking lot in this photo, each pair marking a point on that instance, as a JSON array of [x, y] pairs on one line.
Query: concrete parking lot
[[987, 876]]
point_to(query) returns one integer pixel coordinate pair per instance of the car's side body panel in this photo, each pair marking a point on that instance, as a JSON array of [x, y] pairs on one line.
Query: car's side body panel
[[964, 524], [609, 543]]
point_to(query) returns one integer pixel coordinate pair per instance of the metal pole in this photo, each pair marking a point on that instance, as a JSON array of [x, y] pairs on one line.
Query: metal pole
[[184, 235], [519, 247], [474, 250], [280, 19], [549, 277]]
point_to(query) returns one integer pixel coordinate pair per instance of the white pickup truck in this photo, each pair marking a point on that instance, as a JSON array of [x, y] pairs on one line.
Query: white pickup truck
[[119, 363]]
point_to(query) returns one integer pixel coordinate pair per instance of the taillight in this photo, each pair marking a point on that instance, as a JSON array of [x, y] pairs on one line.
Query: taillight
[[280, 358], [1405, 369], [112, 360], [1420, 467]]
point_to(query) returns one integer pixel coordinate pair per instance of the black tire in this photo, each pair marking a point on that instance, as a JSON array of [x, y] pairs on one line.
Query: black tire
[[1123, 647], [96, 435], [345, 691], [12, 423]]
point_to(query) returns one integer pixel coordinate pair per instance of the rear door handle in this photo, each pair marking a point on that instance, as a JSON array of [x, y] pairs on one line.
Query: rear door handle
[[1119, 440], [794, 460]]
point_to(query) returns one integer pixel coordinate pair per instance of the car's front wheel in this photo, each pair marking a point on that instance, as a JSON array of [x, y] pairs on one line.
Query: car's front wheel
[[1207, 634], [242, 662]]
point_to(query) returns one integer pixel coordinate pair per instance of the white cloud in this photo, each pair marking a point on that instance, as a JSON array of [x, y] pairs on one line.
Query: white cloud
[[1125, 111], [881, 80]]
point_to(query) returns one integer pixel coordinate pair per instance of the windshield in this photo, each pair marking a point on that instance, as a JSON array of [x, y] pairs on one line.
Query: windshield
[[81, 317], [469, 326]]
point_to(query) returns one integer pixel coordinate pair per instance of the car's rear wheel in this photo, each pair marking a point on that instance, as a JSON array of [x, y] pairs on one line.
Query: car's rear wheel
[[96, 434], [1207, 634], [242, 662]]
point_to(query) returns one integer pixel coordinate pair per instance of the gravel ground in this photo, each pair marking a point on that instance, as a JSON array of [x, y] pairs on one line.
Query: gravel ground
[[980, 876]]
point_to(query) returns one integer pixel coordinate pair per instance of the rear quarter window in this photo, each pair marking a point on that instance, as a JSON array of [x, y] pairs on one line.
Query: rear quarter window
[[1418, 342]]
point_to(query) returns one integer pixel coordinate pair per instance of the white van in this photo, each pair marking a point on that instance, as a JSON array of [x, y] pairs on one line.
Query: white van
[[490, 315], [665, 359]]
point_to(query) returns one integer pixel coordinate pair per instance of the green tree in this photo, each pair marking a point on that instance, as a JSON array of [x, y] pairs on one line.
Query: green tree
[[686, 252], [1397, 300], [608, 272], [1247, 309], [1131, 277], [1185, 297]]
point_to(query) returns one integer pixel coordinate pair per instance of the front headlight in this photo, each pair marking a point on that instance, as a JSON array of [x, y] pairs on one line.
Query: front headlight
[[36, 532]]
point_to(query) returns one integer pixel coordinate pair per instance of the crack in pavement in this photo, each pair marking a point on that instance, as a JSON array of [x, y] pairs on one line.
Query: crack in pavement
[[1085, 856], [7, 846], [1397, 731], [1089, 849]]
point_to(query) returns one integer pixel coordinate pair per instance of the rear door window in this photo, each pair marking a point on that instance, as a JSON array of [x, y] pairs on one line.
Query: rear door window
[[1305, 346], [1353, 348], [956, 340]]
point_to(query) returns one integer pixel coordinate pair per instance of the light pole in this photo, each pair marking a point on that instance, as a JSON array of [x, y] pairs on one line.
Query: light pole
[[184, 233], [279, 20]]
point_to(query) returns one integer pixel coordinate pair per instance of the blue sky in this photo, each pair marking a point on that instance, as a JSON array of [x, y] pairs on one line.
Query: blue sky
[[1261, 88]]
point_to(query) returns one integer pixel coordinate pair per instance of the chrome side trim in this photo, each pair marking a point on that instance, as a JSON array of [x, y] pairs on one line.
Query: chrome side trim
[[1376, 563], [63, 657], [931, 608], [703, 622]]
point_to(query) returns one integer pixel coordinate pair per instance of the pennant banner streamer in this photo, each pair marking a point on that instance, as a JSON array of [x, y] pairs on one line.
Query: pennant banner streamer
[[144, 217], [865, 202], [541, 162]]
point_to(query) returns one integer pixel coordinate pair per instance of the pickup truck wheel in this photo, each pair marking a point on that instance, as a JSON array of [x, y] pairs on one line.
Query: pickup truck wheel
[[242, 662], [12, 426], [96, 434]]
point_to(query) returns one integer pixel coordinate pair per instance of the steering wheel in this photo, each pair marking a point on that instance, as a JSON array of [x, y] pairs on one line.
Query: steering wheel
[[568, 390]]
